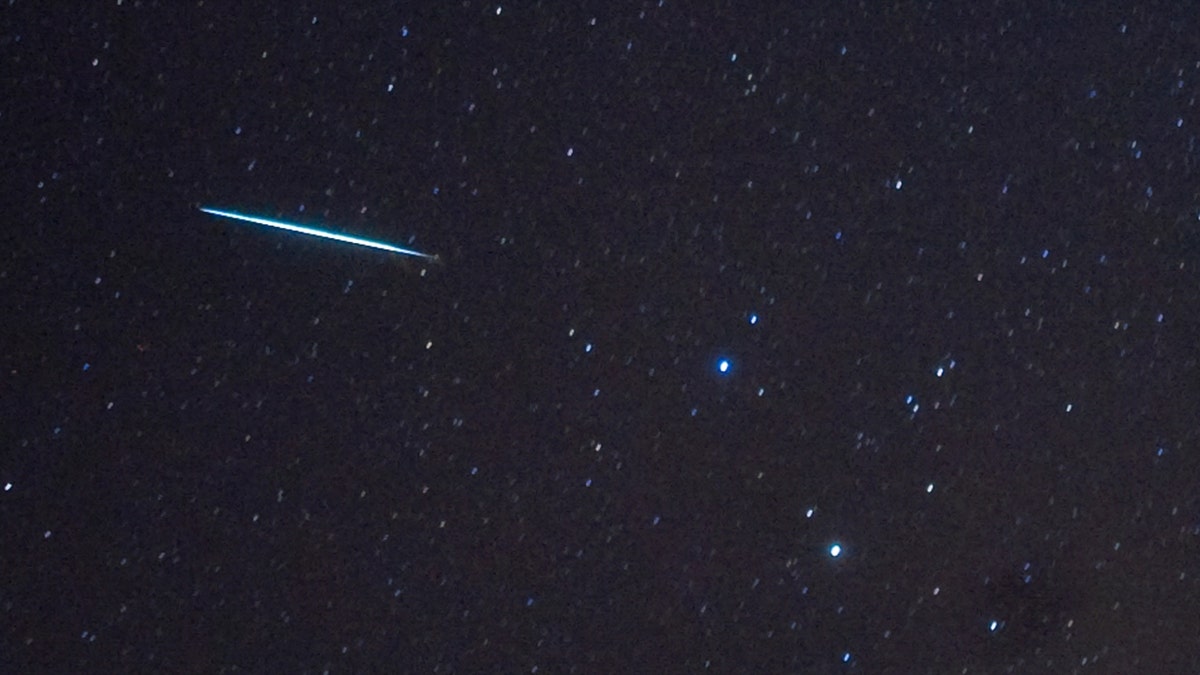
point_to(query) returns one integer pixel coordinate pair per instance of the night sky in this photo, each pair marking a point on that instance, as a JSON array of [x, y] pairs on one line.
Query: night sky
[[818, 338]]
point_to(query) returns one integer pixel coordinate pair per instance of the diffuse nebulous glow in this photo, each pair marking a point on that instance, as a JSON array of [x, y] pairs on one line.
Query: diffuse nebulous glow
[[358, 241]]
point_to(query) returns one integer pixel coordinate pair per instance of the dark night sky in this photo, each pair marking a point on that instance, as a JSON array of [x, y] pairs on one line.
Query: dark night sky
[[950, 258]]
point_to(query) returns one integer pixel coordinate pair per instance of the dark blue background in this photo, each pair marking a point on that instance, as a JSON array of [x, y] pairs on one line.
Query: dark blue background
[[234, 449]]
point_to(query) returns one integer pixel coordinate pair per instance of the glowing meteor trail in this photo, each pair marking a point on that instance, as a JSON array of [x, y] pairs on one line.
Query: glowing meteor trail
[[318, 233]]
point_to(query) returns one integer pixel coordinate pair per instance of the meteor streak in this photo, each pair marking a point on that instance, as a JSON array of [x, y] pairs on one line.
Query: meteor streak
[[318, 233]]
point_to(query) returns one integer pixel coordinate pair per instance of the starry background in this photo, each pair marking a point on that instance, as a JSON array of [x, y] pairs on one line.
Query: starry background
[[722, 292]]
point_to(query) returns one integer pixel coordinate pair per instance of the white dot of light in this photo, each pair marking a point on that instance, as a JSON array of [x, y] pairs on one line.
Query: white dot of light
[[835, 550], [723, 365]]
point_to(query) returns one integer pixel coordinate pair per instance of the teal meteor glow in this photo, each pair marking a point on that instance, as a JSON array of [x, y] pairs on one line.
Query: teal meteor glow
[[358, 241]]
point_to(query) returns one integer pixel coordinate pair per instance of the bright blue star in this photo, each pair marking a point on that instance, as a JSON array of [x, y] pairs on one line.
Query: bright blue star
[[724, 365]]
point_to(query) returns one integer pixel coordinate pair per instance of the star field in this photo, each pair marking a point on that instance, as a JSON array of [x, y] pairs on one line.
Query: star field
[[808, 339]]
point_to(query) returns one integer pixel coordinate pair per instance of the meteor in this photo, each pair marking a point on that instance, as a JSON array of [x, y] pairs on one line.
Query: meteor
[[324, 234]]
